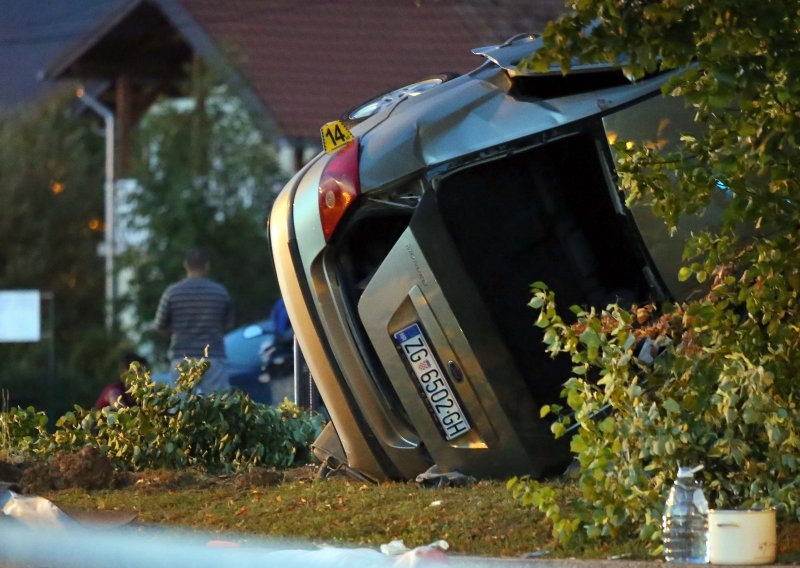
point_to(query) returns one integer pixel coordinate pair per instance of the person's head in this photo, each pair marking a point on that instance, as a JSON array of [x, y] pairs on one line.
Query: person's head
[[196, 262]]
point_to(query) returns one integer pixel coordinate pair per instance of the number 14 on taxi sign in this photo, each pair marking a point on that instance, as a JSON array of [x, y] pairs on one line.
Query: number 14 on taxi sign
[[335, 135]]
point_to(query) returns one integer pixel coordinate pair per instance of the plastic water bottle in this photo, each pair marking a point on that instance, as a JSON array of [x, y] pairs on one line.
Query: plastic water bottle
[[685, 521]]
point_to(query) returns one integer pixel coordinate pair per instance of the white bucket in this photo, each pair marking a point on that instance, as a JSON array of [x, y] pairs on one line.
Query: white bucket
[[742, 536]]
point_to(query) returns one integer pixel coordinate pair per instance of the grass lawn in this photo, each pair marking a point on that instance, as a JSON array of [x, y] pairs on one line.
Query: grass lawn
[[480, 519]]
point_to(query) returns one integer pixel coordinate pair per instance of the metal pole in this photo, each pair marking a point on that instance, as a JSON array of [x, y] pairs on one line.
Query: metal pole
[[299, 393], [52, 377], [108, 220]]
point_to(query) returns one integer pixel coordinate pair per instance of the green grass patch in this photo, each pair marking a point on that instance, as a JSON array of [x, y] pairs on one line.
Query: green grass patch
[[480, 519]]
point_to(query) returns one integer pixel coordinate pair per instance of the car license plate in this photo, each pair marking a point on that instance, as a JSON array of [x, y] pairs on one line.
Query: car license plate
[[433, 382]]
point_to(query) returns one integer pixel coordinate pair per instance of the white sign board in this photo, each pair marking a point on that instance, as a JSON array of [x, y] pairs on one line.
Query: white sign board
[[20, 316]]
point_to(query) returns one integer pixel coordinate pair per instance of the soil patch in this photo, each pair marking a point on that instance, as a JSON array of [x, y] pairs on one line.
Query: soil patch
[[789, 542], [308, 472], [90, 469], [257, 477], [87, 469]]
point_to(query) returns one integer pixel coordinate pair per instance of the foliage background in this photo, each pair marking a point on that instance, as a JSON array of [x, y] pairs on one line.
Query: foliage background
[[205, 176], [51, 177], [724, 388]]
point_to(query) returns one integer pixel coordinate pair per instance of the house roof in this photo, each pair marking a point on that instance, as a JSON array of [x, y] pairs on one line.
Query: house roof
[[311, 61], [32, 33], [302, 64]]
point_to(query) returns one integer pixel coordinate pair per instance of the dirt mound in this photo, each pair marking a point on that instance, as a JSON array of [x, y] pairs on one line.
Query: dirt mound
[[257, 477], [308, 472], [87, 469], [90, 469]]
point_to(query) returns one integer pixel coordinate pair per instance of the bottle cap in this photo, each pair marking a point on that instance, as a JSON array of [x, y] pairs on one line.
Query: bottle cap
[[688, 471]]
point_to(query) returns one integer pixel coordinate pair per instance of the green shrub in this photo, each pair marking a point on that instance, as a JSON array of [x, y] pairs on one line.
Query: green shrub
[[21, 431], [173, 427], [724, 391], [719, 393]]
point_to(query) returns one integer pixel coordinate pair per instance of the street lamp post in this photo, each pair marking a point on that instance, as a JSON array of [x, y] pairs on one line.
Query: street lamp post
[[108, 221]]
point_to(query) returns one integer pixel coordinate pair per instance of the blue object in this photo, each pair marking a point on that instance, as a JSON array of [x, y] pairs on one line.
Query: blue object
[[723, 187], [280, 318], [243, 347]]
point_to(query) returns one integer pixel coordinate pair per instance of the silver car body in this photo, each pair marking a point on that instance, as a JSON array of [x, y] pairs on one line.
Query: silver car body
[[347, 301]]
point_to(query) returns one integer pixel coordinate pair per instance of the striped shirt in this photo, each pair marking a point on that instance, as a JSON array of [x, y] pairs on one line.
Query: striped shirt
[[196, 311]]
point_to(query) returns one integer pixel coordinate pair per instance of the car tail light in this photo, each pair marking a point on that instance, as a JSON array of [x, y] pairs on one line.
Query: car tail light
[[338, 187]]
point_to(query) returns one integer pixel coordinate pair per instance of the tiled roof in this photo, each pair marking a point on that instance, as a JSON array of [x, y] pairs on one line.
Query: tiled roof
[[303, 62], [32, 33], [309, 61]]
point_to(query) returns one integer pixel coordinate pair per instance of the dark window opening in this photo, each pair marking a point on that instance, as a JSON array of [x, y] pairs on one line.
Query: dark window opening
[[368, 239], [544, 214], [557, 85]]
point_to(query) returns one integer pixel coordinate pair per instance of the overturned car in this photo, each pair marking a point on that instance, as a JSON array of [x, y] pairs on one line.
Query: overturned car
[[405, 259]]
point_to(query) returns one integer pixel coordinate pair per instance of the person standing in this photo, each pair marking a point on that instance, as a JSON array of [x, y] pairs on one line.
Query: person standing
[[195, 312]]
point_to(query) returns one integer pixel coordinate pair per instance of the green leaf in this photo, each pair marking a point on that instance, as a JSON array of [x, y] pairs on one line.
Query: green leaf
[[536, 303], [590, 338], [578, 444], [671, 406], [607, 425]]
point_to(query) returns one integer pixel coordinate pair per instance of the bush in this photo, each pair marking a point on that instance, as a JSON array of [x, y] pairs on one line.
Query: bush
[[724, 391], [716, 394], [21, 431], [175, 427]]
